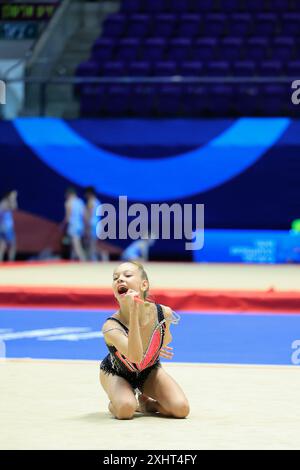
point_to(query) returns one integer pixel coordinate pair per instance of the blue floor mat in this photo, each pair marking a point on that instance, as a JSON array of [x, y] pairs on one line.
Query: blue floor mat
[[201, 337]]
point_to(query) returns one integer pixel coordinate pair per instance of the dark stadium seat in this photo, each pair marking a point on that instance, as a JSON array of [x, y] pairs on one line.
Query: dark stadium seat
[[139, 69], [128, 49], [204, 49], [256, 48], [240, 24], [164, 25], [103, 49], [165, 68], [114, 69], [283, 48], [168, 99], [271, 68], [215, 24], [191, 68], [139, 25], [244, 68], [231, 48], [266, 24], [114, 25], [143, 102], [189, 25], [179, 49], [218, 69], [154, 49]]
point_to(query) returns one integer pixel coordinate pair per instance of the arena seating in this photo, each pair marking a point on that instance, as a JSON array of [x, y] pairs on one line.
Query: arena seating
[[194, 38]]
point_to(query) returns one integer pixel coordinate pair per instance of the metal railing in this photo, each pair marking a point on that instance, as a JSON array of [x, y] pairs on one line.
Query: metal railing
[[42, 84]]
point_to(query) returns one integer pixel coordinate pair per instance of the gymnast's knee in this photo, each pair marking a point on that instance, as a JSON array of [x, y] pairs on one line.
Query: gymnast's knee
[[125, 409], [180, 409]]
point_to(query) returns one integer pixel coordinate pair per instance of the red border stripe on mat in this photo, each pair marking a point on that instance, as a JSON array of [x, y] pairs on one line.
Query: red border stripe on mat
[[178, 299]]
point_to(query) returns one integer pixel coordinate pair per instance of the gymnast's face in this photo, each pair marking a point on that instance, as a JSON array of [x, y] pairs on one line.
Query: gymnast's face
[[128, 276]]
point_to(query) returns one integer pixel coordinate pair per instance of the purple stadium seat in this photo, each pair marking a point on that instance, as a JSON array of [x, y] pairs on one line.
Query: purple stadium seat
[[114, 69], [240, 24], [215, 24], [143, 100], [89, 68], [271, 68], [230, 5], [293, 69], [139, 69], [165, 69], [247, 102], [164, 25], [279, 5], [202, 6], [273, 99], [118, 100], [132, 6], [155, 6], [194, 100], [204, 49], [230, 49], [221, 99], [180, 6], [138, 26], [93, 100], [189, 25], [218, 69], [128, 49], [257, 48], [154, 48], [255, 5], [283, 48], [266, 24], [291, 22], [103, 49], [179, 49], [114, 25], [191, 69], [169, 97], [244, 68]]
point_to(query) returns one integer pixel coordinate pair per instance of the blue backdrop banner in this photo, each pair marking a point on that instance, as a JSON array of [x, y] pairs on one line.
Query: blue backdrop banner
[[249, 246], [245, 171]]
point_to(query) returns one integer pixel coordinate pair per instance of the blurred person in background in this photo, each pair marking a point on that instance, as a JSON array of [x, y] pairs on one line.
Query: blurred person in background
[[74, 223], [295, 234], [139, 249], [91, 220], [8, 204]]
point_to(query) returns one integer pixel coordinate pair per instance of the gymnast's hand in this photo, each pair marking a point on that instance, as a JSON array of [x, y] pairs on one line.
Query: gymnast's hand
[[166, 352], [130, 296]]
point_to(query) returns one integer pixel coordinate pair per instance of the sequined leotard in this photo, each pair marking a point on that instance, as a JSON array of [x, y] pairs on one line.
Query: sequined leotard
[[136, 373]]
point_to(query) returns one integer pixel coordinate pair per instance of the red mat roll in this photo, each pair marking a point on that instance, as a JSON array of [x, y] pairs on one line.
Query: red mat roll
[[178, 299]]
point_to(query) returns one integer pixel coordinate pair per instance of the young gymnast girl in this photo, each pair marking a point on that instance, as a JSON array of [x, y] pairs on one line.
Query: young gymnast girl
[[136, 335]]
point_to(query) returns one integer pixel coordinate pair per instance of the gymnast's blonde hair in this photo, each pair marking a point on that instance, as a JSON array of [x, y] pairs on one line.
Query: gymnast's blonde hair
[[143, 274]]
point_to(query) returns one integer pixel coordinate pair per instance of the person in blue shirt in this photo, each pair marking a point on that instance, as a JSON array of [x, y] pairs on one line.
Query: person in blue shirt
[[91, 221], [8, 204], [74, 220]]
